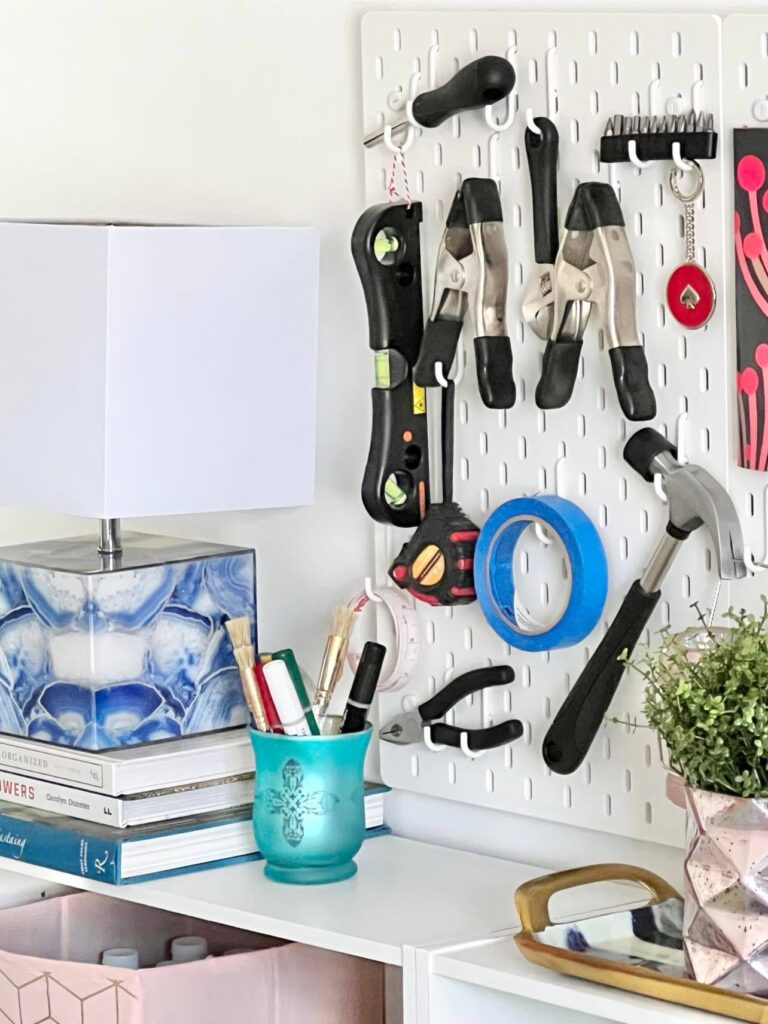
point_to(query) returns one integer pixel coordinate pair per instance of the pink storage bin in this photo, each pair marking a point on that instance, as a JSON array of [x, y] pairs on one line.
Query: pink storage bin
[[50, 974]]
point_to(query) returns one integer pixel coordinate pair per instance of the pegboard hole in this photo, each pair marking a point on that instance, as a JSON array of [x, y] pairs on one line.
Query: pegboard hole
[[451, 773], [533, 71], [573, 72], [547, 708], [704, 379], [592, 43], [627, 780], [601, 399], [522, 448], [659, 255], [623, 488], [648, 813], [602, 516], [607, 805], [474, 42], [582, 478], [567, 797], [665, 613], [706, 439], [661, 375], [624, 549], [526, 676], [648, 755], [503, 474], [485, 499], [682, 347], [634, 43], [397, 40], [607, 748], [541, 422], [378, 68], [639, 224], [602, 456], [614, 72], [528, 789], [415, 765], [588, 774], [686, 585], [490, 782], [468, 639], [430, 632], [677, 44]]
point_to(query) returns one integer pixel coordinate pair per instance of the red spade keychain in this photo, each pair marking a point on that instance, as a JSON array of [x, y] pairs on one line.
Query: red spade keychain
[[690, 290]]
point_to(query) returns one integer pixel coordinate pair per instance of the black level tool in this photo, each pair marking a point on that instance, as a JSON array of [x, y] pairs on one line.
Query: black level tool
[[436, 565], [409, 727], [479, 84], [386, 250]]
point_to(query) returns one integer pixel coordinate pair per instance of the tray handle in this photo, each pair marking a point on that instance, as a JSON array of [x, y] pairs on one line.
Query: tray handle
[[532, 898]]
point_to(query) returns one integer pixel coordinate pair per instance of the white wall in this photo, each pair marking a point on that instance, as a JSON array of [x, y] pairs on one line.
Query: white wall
[[223, 112]]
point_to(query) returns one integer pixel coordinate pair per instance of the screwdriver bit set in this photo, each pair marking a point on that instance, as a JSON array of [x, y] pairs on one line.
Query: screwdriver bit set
[[654, 138]]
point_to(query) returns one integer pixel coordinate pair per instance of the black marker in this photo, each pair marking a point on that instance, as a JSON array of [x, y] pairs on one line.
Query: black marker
[[363, 688]]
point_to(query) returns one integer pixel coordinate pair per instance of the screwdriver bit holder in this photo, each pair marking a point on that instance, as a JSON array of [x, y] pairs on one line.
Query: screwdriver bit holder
[[654, 137]]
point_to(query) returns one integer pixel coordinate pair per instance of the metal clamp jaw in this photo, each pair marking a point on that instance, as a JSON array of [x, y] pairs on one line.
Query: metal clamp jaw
[[471, 275], [594, 267]]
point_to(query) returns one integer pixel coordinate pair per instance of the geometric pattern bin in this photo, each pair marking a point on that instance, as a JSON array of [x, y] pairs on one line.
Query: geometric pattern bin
[[50, 971]]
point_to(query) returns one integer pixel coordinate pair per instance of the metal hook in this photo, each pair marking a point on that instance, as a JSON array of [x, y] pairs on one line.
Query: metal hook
[[500, 126], [634, 158], [413, 125], [529, 123], [427, 736], [464, 744], [368, 591], [680, 162]]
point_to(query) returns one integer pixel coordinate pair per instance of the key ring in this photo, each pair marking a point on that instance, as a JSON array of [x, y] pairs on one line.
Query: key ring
[[675, 174]]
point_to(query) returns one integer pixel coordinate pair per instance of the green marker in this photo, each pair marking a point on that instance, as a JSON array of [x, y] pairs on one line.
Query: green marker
[[289, 659]]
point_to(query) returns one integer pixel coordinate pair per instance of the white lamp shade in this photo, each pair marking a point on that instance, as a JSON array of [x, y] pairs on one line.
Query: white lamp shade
[[157, 370]]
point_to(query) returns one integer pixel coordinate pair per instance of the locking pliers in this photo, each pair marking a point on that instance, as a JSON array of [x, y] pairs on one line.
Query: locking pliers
[[471, 274], [593, 268]]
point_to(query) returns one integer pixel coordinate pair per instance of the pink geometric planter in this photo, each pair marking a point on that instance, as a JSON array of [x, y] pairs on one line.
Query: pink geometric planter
[[726, 891]]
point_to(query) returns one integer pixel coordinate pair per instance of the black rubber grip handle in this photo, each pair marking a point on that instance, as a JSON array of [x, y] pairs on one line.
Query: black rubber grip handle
[[477, 739], [643, 447], [493, 357], [464, 686], [441, 337], [558, 374], [484, 81], [482, 201], [630, 375], [542, 164], [577, 722], [594, 205]]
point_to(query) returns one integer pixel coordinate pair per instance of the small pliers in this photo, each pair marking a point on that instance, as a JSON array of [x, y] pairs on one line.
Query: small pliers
[[472, 273], [410, 727]]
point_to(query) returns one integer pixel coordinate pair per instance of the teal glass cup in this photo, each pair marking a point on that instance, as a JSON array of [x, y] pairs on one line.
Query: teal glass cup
[[309, 812]]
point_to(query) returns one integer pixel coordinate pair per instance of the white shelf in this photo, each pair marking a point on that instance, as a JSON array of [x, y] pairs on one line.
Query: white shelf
[[498, 964], [405, 894]]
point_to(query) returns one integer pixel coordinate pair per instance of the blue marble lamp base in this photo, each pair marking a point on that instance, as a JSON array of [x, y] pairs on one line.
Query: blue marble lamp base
[[98, 653]]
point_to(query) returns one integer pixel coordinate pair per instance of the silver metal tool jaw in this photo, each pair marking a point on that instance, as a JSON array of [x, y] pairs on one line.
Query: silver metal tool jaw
[[538, 304], [614, 285], [451, 295], [696, 499], [490, 275]]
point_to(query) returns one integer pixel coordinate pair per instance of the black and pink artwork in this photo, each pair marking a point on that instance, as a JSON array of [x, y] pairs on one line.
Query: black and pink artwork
[[750, 147]]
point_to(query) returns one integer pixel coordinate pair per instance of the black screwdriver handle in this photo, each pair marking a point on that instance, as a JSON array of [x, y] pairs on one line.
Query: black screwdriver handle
[[477, 739], [465, 686], [558, 373], [484, 81], [577, 722], [542, 152]]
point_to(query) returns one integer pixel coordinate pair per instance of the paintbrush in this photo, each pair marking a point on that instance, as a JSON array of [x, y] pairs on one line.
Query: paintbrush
[[333, 659], [239, 631]]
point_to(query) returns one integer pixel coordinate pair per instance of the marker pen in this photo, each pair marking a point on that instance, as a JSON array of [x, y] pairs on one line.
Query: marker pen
[[363, 688], [287, 656]]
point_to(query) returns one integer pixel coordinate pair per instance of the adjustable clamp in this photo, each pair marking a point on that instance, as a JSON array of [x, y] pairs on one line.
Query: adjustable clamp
[[593, 268], [471, 274]]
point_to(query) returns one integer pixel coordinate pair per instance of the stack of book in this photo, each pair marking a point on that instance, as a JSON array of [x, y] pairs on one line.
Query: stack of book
[[138, 812]]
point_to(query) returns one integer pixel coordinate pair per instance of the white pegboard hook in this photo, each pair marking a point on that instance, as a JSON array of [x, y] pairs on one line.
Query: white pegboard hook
[[368, 590], [697, 94], [634, 158], [465, 748], [749, 560], [760, 109], [680, 162], [530, 124], [653, 95], [427, 736], [682, 438], [658, 486], [413, 125], [550, 65], [440, 377], [432, 54], [509, 120]]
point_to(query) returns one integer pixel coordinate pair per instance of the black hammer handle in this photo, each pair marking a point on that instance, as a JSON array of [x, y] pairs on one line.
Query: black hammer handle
[[480, 83], [577, 722]]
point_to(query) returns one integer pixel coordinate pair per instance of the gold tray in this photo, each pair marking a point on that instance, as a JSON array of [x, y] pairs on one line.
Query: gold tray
[[650, 963]]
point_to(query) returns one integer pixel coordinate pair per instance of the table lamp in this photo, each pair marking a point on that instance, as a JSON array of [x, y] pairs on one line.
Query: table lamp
[[146, 371]]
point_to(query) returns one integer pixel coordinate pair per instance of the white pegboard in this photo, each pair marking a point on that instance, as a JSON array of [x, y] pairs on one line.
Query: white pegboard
[[579, 69]]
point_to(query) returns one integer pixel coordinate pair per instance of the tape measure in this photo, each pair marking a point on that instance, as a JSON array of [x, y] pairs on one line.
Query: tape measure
[[407, 645]]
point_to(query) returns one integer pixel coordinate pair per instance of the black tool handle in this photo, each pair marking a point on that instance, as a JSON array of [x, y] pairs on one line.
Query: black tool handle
[[464, 686], [558, 373], [438, 345], [630, 375], [493, 359], [477, 739], [577, 722], [594, 205], [484, 81], [542, 164], [643, 447]]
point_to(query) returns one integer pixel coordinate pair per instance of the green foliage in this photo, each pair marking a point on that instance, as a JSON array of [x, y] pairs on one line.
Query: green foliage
[[712, 713]]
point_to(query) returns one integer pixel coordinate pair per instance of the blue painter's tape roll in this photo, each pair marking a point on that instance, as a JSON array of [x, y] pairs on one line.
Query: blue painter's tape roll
[[494, 576]]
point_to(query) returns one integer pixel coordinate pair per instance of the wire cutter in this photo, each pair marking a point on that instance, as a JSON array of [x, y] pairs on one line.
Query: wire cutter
[[410, 727], [593, 267], [472, 273]]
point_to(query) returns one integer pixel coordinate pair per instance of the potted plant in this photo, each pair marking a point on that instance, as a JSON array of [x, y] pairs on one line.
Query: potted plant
[[707, 697]]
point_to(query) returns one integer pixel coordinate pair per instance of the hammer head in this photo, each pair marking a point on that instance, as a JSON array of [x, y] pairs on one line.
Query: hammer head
[[695, 499]]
